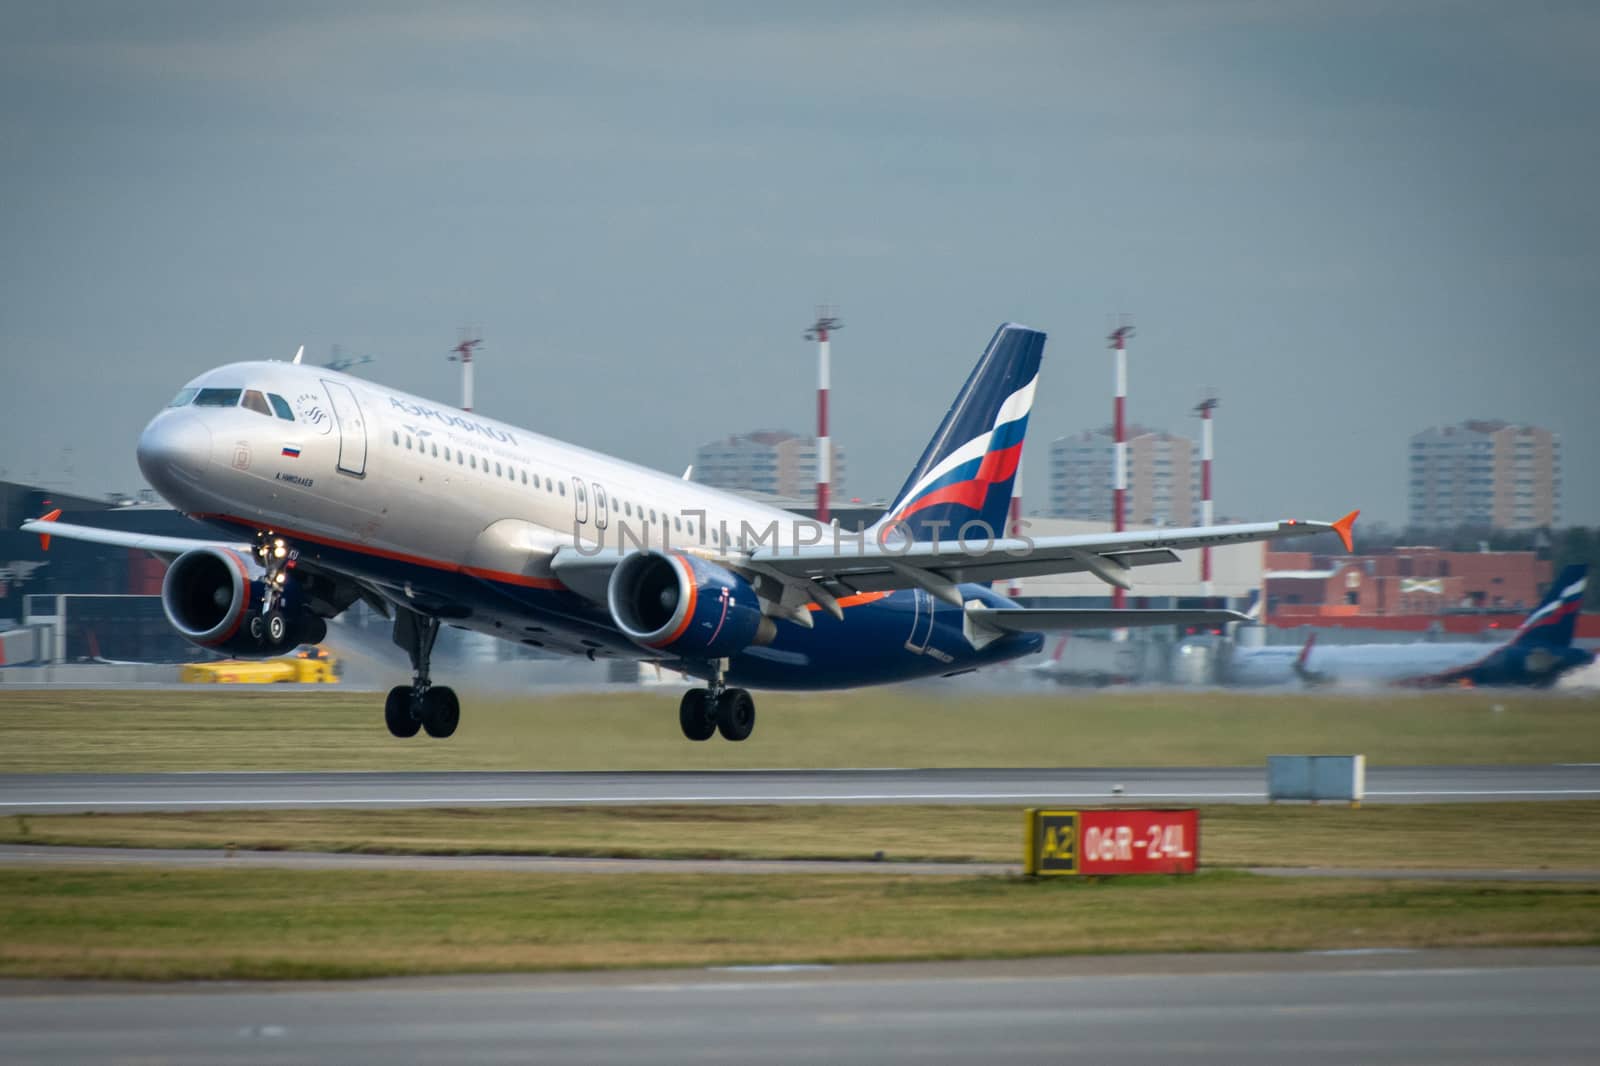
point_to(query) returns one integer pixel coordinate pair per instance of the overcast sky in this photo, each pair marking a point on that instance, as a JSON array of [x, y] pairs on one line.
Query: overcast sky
[[1353, 219]]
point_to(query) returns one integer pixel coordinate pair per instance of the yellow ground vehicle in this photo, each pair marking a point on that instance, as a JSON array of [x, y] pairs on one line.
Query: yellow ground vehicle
[[308, 665]]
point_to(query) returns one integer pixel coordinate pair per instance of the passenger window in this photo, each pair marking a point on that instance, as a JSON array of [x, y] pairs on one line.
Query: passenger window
[[549, 488], [562, 488], [627, 509], [497, 470], [183, 397], [524, 477], [435, 449], [473, 462], [397, 438], [408, 442], [677, 523], [218, 398], [280, 405], [652, 514], [447, 453]]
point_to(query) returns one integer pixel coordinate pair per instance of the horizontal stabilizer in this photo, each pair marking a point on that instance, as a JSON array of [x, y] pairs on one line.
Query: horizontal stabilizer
[[1026, 620]]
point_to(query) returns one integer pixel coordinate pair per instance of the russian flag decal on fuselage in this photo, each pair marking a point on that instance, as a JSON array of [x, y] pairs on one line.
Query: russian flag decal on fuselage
[[291, 452]]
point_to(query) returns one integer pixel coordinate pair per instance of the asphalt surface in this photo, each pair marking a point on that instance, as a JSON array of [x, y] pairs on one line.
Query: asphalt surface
[[1406, 1007], [60, 793]]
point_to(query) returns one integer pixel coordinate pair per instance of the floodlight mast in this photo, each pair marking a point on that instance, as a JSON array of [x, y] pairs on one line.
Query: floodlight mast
[[462, 353], [825, 324], [1207, 514], [1118, 342]]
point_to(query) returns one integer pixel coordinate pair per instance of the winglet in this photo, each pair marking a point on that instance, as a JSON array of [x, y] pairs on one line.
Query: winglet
[[1345, 527], [44, 538], [299, 355]]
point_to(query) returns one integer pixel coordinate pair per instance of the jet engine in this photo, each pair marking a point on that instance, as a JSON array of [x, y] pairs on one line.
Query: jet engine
[[213, 597], [682, 604]]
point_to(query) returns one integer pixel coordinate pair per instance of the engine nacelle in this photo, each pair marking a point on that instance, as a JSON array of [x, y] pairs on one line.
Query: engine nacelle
[[681, 604], [211, 596]]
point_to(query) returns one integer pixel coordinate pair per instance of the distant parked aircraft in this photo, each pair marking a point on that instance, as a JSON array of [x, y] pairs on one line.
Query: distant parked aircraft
[[1538, 654]]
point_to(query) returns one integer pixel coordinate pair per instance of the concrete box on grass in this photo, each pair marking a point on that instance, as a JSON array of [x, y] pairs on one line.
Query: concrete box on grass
[[1341, 778]]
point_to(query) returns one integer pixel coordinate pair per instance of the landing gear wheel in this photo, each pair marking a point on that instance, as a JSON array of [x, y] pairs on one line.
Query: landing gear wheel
[[695, 715], [277, 627], [736, 714], [441, 711], [397, 712], [258, 628]]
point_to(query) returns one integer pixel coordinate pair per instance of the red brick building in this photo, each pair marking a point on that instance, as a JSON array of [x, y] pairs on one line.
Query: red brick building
[[1408, 581]]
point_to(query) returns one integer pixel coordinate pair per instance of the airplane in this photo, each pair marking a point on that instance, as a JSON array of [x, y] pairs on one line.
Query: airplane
[[1538, 654], [328, 489]]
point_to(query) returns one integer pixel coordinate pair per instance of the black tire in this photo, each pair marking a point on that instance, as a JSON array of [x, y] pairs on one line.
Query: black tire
[[397, 712], [277, 627], [694, 715], [258, 628], [736, 714], [441, 712]]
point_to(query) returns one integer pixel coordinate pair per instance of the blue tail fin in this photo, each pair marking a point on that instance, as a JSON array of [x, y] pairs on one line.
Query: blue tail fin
[[1553, 622], [965, 475]]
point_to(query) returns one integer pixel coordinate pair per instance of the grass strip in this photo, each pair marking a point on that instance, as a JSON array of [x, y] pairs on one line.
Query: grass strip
[[211, 729], [271, 924], [1555, 835]]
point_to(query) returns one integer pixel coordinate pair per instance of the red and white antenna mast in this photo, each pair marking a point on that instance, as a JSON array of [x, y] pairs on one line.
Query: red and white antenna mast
[[1118, 342], [825, 324], [462, 353], [1207, 514]]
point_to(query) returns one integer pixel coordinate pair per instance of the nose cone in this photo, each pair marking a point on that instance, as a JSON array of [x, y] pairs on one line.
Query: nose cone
[[174, 452]]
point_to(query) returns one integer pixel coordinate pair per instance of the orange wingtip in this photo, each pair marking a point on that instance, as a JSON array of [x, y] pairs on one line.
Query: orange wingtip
[[44, 538], [1345, 527]]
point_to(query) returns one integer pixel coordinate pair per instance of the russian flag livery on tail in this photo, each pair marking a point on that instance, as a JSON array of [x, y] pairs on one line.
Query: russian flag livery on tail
[[964, 478], [1553, 622]]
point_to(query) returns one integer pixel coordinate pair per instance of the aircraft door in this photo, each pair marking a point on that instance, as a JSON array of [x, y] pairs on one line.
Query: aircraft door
[[580, 502], [352, 428], [921, 622]]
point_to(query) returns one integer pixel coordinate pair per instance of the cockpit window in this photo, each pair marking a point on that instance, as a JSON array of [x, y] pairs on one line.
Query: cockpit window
[[183, 397], [218, 398], [255, 401], [280, 405]]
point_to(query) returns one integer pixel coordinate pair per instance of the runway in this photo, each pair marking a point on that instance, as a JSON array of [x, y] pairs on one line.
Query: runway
[[1456, 1007], [243, 859], [65, 793]]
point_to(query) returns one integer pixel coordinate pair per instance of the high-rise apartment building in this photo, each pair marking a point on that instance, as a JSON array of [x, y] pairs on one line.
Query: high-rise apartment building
[[1163, 477], [1484, 473], [770, 461]]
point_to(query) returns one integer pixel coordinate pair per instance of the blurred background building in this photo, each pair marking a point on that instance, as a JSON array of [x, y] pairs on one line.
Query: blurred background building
[[1163, 477], [1484, 473], [775, 462]]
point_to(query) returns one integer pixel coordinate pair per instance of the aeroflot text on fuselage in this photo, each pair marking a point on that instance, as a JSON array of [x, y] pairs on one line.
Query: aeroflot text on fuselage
[[450, 418]]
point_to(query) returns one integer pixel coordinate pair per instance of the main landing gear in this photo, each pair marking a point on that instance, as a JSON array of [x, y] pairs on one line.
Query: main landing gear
[[422, 704], [705, 711]]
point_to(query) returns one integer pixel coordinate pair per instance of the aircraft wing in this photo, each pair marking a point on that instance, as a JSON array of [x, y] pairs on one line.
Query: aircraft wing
[[1036, 620], [827, 571], [165, 548]]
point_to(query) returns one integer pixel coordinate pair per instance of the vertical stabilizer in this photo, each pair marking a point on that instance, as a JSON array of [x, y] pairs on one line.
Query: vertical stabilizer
[[965, 475]]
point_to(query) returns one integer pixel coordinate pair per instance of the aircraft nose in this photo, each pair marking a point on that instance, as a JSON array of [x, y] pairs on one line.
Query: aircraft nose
[[174, 449]]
